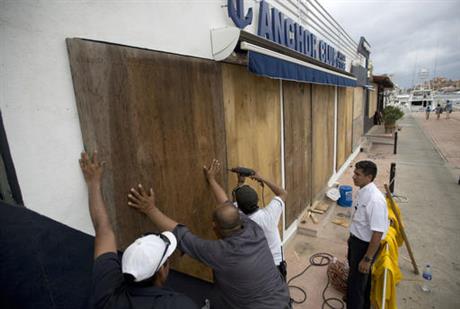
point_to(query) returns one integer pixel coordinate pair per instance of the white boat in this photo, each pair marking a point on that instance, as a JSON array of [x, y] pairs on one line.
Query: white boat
[[420, 98], [402, 99]]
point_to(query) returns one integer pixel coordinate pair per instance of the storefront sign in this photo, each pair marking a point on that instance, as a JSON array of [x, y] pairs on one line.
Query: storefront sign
[[236, 13], [273, 25]]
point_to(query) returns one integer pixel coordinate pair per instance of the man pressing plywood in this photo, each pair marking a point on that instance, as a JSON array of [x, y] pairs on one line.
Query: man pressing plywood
[[136, 280], [244, 273]]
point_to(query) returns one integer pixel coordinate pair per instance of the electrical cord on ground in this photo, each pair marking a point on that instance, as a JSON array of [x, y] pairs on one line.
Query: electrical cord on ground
[[317, 259]]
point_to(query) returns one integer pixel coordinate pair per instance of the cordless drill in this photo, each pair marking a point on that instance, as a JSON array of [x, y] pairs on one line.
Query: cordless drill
[[243, 171]]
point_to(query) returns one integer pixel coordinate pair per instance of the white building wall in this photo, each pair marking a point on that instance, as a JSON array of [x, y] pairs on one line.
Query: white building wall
[[37, 98], [36, 92]]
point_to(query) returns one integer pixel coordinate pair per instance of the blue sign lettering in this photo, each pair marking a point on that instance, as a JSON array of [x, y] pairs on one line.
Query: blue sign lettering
[[299, 39], [308, 47], [341, 60], [331, 55], [289, 33], [237, 13], [313, 45], [264, 28], [283, 30], [278, 26], [322, 51]]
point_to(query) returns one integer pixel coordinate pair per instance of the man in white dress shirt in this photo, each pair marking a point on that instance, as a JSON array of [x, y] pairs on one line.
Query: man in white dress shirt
[[369, 225]]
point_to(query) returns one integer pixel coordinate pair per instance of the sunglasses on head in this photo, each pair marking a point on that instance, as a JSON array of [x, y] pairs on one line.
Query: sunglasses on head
[[167, 244]]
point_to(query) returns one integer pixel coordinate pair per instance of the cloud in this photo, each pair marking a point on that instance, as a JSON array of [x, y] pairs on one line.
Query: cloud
[[405, 36]]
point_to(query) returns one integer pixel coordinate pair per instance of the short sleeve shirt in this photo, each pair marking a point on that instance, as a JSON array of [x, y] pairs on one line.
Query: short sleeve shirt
[[370, 213], [268, 218], [244, 273], [111, 291]]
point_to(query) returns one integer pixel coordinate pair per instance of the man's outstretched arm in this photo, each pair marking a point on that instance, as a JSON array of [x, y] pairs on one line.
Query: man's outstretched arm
[[145, 203], [275, 188], [211, 173], [92, 171]]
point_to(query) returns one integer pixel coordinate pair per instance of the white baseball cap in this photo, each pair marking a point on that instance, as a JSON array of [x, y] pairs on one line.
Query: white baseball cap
[[147, 254]]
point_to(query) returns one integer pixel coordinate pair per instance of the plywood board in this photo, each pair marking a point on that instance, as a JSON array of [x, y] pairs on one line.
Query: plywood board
[[372, 101], [322, 136], [344, 124], [341, 127], [358, 117], [349, 122], [156, 118], [358, 100], [252, 121], [297, 147]]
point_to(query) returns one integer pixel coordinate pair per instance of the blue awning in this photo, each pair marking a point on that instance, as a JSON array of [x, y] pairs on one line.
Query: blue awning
[[272, 67]]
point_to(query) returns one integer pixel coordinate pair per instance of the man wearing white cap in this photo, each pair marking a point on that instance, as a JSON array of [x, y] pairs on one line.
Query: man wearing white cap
[[137, 280]]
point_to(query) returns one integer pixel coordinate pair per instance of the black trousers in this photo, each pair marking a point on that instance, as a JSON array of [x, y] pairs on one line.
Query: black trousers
[[359, 284]]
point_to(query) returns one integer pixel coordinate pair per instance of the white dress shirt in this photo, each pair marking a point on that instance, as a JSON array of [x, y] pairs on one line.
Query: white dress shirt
[[370, 213]]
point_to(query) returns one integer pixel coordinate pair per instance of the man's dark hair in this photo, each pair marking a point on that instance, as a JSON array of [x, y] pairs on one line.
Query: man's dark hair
[[247, 199], [367, 167], [129, 279], [227, 218]]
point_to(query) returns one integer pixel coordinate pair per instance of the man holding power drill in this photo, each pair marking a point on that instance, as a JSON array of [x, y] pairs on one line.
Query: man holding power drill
[[267, 218]]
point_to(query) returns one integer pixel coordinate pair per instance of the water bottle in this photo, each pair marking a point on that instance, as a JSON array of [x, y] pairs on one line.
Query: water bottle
[[426, 287], [207, 304]]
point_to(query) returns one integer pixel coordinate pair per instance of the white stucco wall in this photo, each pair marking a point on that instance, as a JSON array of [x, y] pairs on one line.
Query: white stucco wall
[[36, 92], [37, 99]]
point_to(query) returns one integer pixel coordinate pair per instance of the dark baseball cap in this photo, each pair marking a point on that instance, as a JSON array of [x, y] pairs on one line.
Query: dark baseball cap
[[247, 199]]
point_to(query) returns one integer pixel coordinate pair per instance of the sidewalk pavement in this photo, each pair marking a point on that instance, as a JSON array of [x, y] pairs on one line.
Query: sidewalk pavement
[[428, 196], [445, 135]]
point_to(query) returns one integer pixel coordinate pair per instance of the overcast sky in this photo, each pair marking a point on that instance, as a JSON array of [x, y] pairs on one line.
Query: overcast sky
[[404, 35]]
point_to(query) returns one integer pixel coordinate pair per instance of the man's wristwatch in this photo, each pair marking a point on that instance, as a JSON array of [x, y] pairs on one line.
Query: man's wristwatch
[[367, 259]]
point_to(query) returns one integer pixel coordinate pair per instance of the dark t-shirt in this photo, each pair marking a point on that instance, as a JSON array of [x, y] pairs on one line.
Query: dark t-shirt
[[244, 272], [111, 291]]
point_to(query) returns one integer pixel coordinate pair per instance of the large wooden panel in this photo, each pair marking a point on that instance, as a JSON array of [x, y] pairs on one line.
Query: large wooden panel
[[322, 136], [344, 124], [297, 145], [252, 121], [349, 122], [358, 99], [156, 118], [372, 101], [358, 121]]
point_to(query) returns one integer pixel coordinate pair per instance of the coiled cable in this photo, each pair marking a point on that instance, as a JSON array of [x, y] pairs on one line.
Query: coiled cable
[[317, 259]]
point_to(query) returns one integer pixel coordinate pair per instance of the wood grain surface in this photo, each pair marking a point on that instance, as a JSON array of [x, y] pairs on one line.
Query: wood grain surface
[[252, 121], [156, 118], [297, 147], [344, 124], [322, 137], [358, 110]]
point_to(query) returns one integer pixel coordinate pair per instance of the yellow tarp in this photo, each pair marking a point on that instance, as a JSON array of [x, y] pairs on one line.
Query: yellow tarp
[[387, 259]]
